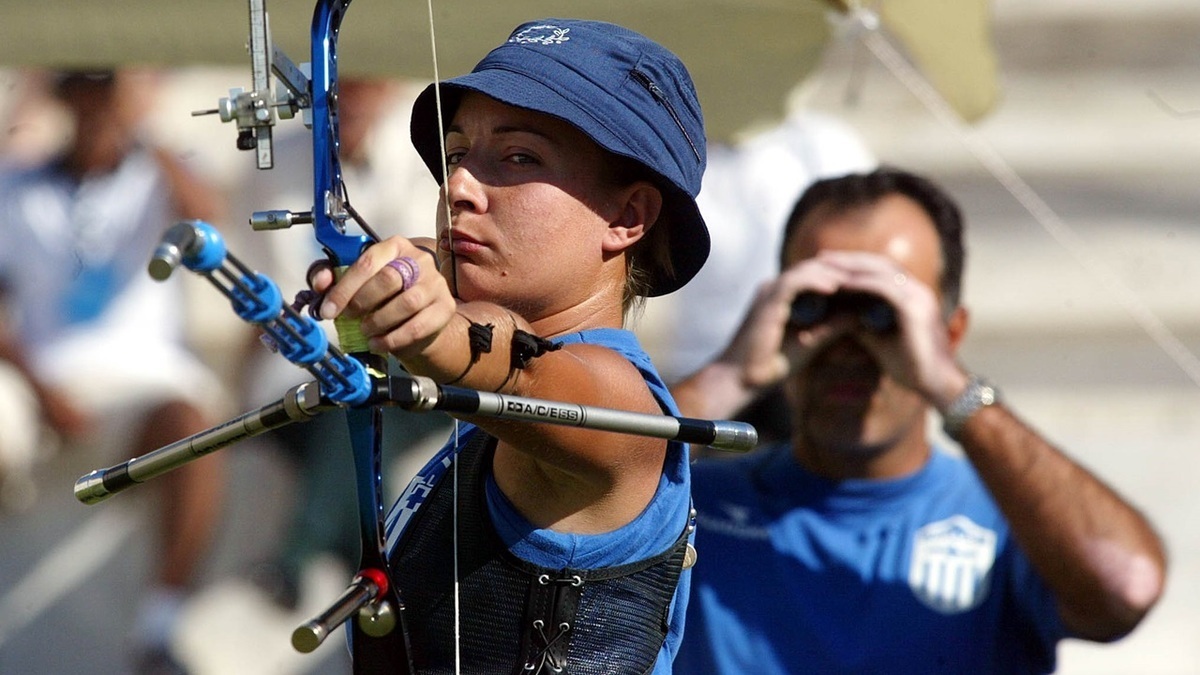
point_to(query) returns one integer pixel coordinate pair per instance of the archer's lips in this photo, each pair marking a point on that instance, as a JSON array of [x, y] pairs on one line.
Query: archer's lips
[[460, 244]]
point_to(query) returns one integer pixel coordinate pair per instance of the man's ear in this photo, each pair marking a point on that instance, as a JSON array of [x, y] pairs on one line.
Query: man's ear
[[957, 326], [640, 205]]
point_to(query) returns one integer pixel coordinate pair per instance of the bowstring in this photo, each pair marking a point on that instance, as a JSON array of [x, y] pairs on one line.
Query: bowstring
[[445, 202]]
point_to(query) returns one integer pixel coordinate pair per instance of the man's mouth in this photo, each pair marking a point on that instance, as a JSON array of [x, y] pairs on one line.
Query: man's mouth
[[849, 391], [844, 376]]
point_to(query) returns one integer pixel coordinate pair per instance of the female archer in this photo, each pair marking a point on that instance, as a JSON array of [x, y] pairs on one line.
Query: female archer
[[570, 161]]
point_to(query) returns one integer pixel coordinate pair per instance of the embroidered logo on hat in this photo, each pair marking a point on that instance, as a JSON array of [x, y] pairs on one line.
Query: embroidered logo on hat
[[541, 35]]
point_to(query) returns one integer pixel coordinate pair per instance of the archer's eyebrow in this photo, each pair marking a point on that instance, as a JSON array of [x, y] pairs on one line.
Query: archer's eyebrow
[[509, 129]]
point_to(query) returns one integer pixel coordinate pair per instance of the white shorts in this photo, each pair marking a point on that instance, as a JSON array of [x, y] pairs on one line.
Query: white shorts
[[117, 390], [20, 427]]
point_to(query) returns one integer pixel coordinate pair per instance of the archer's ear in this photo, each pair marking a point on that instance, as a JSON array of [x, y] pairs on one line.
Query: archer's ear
[[640, 206]]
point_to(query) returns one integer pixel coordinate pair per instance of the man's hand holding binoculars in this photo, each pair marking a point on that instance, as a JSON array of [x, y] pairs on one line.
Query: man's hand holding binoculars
[[855, 295]]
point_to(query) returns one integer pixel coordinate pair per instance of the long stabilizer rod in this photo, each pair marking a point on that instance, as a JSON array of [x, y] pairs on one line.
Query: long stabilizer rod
[[299, 404], [419, 394]]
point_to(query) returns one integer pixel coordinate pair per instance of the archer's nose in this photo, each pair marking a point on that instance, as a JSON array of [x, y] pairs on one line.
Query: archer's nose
[[464, 192]]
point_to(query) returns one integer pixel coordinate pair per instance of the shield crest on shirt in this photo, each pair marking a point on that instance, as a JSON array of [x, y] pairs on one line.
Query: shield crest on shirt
[[951, 566]]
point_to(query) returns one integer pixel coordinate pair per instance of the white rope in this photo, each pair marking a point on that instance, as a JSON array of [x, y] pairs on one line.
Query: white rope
[[1050, 221]]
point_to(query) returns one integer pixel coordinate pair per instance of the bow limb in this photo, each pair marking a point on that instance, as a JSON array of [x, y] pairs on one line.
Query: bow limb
[[365, 423], [329, 202]]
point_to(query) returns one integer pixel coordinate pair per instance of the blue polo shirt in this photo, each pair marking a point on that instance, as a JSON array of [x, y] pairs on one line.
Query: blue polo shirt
[[918, 574]]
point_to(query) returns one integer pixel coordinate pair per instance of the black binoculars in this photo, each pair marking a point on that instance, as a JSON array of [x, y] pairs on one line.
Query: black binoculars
[[874, 313]]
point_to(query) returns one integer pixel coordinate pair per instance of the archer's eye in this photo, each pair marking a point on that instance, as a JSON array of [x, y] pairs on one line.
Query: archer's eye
[[453, 158], [521, 158]]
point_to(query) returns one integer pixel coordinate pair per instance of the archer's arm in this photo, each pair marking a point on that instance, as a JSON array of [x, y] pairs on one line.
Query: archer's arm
[[580, 479]]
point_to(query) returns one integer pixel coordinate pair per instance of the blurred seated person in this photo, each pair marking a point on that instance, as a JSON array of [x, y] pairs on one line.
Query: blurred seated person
[[97, 343]]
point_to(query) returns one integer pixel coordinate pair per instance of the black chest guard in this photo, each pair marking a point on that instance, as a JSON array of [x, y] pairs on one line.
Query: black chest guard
[[515, 617]]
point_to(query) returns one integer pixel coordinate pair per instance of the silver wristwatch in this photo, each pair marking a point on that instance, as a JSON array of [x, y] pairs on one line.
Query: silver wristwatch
[[978, 394]]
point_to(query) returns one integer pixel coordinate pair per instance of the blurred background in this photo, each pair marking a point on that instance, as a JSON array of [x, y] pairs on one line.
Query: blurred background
[[1083, 280]]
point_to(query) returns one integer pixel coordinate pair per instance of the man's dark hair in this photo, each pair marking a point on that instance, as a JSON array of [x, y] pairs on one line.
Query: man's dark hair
[[864, 189]]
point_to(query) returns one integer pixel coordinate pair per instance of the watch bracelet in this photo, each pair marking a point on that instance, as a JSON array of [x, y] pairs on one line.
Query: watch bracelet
[[978, 394]]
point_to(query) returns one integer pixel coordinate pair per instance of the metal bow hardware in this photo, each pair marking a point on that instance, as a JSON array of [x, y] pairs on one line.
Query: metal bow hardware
[[315, 93], [350, 380]]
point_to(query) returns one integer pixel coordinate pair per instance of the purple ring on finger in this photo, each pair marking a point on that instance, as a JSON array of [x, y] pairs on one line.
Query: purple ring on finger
[[408, 269]]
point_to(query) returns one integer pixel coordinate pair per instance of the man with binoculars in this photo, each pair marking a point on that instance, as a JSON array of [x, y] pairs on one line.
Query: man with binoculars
[[859, 546]]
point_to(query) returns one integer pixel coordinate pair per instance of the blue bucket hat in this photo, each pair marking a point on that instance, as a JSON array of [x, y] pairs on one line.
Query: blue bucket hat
[[629, 94]]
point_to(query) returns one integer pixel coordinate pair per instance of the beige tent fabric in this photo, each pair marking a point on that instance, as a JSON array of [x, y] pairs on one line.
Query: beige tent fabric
[[950, 41], [745, 55]]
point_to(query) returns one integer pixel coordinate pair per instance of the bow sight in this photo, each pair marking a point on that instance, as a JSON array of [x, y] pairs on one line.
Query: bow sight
[[255, 111]]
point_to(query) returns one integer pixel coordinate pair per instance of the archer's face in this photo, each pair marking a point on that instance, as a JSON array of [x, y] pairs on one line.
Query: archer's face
[[529, 205], [843, 400]]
